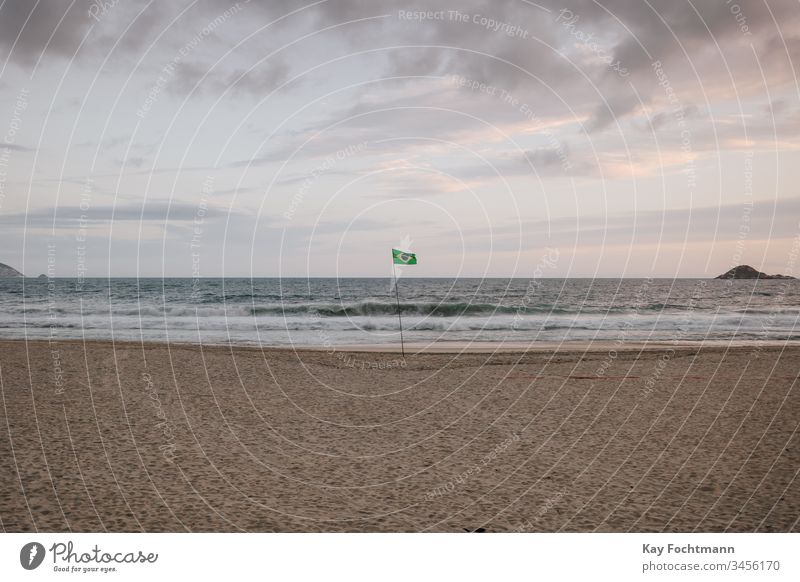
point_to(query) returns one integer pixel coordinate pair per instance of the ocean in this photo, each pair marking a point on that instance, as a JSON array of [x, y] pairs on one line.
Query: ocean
[[280, 312]]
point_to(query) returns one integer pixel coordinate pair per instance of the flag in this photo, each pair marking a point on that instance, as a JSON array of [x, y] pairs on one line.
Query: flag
[[403, 258]]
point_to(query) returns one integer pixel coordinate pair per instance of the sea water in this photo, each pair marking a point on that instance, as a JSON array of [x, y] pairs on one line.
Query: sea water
[[364, 311]]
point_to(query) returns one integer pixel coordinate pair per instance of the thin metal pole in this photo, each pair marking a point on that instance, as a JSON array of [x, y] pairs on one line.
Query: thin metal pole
[[400, 319]]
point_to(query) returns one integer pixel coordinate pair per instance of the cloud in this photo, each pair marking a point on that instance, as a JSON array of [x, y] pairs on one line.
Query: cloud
[[761, 220], [259, 81], [668, 117], [153, 210], [612, 109], [550, 104], [30, 29], [198, 79], [16, 147]]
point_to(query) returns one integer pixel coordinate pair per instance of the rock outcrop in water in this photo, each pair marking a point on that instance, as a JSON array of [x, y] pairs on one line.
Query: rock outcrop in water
[[6, 271], [748, 272]]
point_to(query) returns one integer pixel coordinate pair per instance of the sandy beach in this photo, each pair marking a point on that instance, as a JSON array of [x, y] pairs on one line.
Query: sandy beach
[[156, 437]]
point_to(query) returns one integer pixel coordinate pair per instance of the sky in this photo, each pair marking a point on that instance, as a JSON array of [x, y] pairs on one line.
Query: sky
[[215, 138]]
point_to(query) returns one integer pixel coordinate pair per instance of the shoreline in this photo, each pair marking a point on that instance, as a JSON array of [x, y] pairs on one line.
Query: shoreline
[[442, 346]]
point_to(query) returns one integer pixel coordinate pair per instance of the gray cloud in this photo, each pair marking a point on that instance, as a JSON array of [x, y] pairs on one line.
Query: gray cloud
[[198, 79], [72, 216], [29, 29], [16, 147], [666, 118]]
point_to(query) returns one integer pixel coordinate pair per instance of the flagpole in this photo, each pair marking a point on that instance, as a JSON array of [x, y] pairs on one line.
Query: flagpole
[[399, 318]]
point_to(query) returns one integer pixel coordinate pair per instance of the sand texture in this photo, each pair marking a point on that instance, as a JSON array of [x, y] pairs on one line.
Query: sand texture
[[97, 437]]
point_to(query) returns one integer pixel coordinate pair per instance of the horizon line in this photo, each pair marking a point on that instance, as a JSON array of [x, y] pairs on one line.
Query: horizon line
[[189, 277]]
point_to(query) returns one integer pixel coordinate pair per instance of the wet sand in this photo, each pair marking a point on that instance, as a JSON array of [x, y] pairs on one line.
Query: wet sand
[[126, 437]]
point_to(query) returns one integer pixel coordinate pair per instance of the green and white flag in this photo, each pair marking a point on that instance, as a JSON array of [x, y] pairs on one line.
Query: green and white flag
[[403, 258]]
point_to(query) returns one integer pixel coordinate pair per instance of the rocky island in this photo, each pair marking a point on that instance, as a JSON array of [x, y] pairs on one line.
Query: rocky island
[[748, 272]]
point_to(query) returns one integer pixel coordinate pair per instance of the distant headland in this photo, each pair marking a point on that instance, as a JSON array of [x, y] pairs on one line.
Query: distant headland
[[6, 271], [748, 272]]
